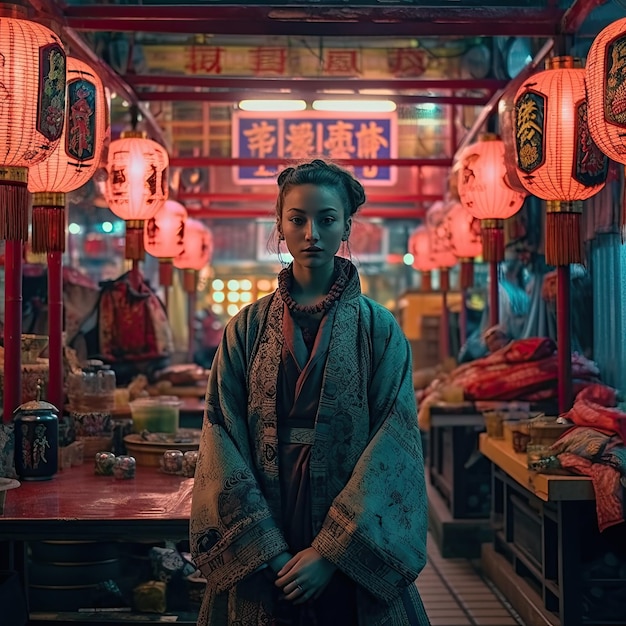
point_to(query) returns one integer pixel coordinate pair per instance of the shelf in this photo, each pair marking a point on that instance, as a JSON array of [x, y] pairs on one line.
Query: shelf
[[547, 487]]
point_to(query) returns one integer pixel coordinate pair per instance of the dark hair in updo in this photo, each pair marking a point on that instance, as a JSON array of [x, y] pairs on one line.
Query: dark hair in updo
[[322, 174]]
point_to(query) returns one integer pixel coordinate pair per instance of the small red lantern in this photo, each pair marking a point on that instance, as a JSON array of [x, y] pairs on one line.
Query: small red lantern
[[466, 241], [440, 244], [196, 254], [419, 247], [485, 193], [137, 184], [74, 160], [557, 158], [32, 79], [164, 235], [604, 78]]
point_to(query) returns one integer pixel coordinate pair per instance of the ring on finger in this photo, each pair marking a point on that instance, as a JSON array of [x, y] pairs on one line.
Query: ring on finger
[[300, 588]]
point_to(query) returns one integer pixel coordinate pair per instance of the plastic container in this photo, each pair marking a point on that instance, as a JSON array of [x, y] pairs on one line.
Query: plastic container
[[156, 414]]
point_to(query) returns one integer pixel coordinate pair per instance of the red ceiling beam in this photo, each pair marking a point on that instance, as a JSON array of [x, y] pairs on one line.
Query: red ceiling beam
[[577, 13], [235, 96], [312, 84], [277, 162], [318, 21]]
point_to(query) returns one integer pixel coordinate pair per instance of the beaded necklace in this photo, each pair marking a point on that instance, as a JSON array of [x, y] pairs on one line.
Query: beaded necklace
[[285, 283]]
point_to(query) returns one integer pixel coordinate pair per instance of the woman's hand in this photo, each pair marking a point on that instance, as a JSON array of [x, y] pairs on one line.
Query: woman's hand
[[305, 576]]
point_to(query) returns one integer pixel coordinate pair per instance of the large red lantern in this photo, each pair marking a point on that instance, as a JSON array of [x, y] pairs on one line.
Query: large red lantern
[[557, 158], [164, 236], [71, 164], [466, 241], [75, 159], [485, 193], [605, 80], [32, 111], [558, 161], [137, 184], [32, 75]]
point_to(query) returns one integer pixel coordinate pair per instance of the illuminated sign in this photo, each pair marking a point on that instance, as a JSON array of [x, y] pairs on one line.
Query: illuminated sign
[[299, 136]]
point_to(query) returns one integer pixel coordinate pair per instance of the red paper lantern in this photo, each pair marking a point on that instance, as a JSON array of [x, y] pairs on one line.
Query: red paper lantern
[[163, 237], [440, 244], [137, 184], [485, 193], [197, 252], [32, 92], [465, 237], [604, 78], [75, 159], [419, 247], [557, 158]]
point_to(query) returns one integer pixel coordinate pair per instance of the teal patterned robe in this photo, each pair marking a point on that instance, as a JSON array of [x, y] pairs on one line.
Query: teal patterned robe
[[369, 498]]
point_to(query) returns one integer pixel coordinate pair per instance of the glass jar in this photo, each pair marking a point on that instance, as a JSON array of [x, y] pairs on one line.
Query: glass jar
[[92, 389]]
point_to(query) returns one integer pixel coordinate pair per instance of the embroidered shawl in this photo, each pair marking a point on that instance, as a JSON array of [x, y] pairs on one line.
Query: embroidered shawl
[[369, 498]]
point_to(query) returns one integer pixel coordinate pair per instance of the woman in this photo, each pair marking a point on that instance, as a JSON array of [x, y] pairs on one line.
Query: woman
[[309, 504]]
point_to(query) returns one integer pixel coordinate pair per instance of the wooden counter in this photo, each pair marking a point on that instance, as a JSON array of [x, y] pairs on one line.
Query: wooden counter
[[548, 557], [76, 505], [547, 487]]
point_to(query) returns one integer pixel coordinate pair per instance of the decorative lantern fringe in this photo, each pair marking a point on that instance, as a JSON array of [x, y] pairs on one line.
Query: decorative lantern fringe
[[14, 204], [134, 240], [466, 276], [427, 283], [564, 244], [444, 279], [190, 281], [48, 229], [493, 243], [166, 272]]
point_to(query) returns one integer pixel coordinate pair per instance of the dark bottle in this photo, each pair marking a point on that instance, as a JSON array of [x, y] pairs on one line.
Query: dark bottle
[[36, 425]]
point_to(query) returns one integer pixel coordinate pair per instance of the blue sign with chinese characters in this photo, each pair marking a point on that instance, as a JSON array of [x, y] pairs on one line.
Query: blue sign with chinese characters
[[306, 135]]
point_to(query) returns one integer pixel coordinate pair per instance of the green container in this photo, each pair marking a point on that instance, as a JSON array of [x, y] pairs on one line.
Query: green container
[[156, 414]]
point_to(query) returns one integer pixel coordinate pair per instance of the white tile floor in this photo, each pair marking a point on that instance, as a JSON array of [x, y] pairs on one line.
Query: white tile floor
[[455, 594]]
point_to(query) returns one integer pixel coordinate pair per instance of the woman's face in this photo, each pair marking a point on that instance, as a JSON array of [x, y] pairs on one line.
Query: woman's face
[[313, 223]]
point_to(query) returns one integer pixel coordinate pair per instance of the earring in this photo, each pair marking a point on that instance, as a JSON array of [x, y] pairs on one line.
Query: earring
[[281, 237], [344, 238]]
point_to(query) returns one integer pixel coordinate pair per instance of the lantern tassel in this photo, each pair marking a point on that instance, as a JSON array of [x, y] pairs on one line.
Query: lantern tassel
[[48, 222], [466, 276], [493, 240], [564, 244], [190, 281], [14, 204], [166, 272], [134, 240], [427, 285]]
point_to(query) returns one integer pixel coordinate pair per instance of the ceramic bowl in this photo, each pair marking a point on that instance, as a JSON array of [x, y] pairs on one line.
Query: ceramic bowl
[[32, 346]]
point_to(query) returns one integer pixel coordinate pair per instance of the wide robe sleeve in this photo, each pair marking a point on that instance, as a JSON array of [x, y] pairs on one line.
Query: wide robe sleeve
[[232, 532], [375, 530]]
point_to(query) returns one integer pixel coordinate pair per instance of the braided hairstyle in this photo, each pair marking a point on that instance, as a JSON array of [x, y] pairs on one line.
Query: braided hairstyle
[[322, 174]]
